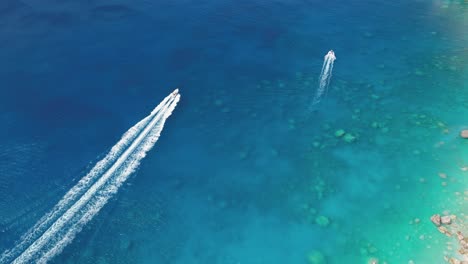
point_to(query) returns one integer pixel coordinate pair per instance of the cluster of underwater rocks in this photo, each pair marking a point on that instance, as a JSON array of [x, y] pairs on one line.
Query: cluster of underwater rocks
[[358, 127], [448, 225], [370, 129], [348, 137], [453, 227]]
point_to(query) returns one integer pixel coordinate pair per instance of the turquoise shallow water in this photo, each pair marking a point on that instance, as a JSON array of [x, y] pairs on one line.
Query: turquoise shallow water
[[245, 171]]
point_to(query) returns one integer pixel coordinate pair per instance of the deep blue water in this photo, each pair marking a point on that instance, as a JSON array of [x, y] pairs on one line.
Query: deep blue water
[[244, 167]]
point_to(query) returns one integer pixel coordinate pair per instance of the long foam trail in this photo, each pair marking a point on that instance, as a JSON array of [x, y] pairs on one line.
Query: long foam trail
[[74, 193], [100, 200], [325, 76], [56, 229]]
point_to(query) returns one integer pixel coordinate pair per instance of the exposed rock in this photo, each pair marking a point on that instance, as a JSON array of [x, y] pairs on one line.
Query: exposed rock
[[436, 219], [464, 244], [464, 133], [456, 261], [446, 220]]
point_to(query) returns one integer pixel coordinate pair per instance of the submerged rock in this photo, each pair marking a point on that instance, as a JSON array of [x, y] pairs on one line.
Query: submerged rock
[[322, 221], [316, 257], [349, 138], [339, 133], [444, 230], [419, 72], [368, 34], [218, 102]]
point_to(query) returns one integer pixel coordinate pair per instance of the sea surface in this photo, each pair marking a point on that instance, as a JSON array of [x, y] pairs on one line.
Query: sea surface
[[246, 171]]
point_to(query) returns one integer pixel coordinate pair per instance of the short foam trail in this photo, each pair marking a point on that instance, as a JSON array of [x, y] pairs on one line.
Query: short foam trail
[[58, 228], [325, 77]]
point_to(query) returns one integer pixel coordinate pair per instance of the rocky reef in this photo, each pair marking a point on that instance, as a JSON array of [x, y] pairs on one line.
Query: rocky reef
[[453, 227]]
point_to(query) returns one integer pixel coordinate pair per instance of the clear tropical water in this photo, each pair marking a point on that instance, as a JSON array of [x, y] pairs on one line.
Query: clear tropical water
[[246, 172]]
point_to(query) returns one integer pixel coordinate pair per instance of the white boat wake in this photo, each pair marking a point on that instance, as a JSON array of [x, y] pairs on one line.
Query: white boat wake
[[325, 76], [82, 202]]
